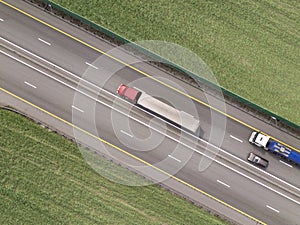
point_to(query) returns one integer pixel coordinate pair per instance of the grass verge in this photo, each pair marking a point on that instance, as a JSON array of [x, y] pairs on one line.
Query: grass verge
[[44, 180], [251, 46]]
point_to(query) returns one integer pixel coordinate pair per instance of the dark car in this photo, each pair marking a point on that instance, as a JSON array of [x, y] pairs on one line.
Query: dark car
[[257, 160]]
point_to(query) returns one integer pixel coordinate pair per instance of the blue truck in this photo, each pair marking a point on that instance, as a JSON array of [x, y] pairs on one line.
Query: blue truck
[[268, 144]]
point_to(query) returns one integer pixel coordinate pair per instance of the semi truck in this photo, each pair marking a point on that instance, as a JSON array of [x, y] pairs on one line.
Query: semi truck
[[264, 141], [168, 113]]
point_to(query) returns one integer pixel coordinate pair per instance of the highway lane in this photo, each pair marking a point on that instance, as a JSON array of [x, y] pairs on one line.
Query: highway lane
[[59, 52], [207, 180], [46, 87], [116, 83], [60, 55]]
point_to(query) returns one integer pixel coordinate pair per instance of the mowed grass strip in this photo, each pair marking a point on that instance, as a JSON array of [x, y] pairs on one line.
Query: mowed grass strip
[[44, 180], [253, 47]]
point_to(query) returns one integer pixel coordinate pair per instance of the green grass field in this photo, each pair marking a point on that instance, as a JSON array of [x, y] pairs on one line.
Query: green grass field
[[253, 47], [44, 180]]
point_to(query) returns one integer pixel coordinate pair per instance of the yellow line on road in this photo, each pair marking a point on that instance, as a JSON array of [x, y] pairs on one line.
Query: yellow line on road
[[141, 72], [127, 153]]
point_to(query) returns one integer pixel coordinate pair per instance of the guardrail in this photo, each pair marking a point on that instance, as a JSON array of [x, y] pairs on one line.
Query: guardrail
[[89, 25]]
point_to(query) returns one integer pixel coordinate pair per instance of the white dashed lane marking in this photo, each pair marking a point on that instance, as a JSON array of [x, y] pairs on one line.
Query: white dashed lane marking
[[29, 84], [221, 182], [124, 132], [235, 138], [172, 157], [80, 110], [286, 164], [275, 210], [45, 42], [91, 65]]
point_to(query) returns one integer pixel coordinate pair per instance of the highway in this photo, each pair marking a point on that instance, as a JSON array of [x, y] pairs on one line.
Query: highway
[[271, 196]]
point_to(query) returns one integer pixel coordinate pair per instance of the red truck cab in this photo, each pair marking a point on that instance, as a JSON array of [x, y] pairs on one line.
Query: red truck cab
[[128, 93]]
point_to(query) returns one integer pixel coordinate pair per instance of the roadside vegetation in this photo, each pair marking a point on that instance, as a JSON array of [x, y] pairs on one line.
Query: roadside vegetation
[[251, 46], [44, 180]]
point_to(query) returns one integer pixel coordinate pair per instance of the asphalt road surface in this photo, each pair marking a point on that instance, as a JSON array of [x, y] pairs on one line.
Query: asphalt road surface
[[78, 83]]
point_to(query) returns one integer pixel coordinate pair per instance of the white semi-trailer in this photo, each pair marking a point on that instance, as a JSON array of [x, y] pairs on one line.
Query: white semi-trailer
[[159, 108]]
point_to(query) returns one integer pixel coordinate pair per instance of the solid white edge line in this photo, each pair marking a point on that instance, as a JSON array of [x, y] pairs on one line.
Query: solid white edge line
[[221, 182], [91, 65], [80, 110], [174, 158], [236, 138], [124, 132], [45, 42], [286, 164], [147, 125], [206, 142], [29, 84], [272, 209]]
